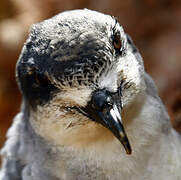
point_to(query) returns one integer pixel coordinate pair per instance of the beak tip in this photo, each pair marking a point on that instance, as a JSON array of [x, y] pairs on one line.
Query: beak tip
[[122, 137], [126, 145], [129, 152]]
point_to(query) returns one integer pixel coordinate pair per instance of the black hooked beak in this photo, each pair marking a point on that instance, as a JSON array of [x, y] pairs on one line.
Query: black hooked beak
[[105, 108]]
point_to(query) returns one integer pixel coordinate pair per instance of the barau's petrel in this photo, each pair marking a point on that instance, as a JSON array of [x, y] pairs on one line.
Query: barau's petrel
[[89, 109]]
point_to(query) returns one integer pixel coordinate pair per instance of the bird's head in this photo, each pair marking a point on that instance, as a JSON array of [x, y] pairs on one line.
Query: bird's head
[[78, 72]]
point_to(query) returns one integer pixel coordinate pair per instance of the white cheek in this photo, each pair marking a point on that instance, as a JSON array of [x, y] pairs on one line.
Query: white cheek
[[109, 81], [130, 70]]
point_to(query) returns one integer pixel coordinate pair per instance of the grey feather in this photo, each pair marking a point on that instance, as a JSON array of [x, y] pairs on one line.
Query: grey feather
[[65, 60]]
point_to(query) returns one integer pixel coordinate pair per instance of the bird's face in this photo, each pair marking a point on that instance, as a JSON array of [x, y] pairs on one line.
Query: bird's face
[[77, 72]]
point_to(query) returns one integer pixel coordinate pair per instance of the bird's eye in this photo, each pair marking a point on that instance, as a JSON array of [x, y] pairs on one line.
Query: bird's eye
[[117, 42], [41, 79]]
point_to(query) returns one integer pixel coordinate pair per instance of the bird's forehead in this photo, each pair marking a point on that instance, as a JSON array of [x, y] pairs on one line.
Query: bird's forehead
[[72, 45], [81, 21], [71, 49], [77, 27]]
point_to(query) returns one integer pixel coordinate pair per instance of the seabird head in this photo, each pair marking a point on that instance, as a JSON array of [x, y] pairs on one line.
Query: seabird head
[[77, 72]]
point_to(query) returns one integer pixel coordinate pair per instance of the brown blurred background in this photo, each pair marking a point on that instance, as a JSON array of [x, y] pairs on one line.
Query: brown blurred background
[[154, 25]]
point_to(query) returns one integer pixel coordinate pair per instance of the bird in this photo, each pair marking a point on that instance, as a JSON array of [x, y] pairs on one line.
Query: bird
[[89, 110]]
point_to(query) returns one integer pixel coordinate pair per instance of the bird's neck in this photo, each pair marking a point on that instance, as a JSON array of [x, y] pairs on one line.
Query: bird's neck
[[149, 132]]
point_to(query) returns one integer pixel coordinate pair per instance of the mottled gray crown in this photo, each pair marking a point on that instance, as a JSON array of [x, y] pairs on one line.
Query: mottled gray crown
[[74, 47]]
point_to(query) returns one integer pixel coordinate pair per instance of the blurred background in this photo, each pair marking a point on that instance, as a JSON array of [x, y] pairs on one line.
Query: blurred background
[[154, 25]]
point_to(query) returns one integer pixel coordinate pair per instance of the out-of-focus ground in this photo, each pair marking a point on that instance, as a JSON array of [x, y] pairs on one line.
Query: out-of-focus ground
[[154, 25]]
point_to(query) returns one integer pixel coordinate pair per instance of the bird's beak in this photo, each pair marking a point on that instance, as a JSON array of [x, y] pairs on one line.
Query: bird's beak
[[111, 119], [105, 109]]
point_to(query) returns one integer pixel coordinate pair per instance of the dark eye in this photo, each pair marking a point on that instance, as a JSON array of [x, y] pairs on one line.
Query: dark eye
[[41, 79], [117, 42]]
